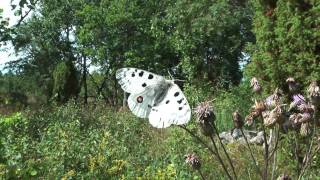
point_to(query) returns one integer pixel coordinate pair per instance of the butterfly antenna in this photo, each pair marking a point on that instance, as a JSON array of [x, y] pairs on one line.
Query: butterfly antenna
[[171, 77], [175, 79]]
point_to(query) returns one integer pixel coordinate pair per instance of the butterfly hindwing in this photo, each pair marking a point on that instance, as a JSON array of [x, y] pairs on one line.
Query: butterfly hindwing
[[135, 81], [140, 104], [173, 109]]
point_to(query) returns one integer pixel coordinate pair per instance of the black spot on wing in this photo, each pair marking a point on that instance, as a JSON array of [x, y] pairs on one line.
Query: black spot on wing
[[167, 102], [141, 73], [149, 106], [144, 85], [180, 101], [176, 94], [135, 70], [133, 75], [180, 108], [150, 76]]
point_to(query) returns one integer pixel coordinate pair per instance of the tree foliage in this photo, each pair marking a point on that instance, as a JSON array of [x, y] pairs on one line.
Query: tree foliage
[[66, 83], [287, 41]]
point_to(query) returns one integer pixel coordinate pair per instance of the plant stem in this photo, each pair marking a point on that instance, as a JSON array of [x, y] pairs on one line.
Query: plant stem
[[202, 177], [219, 158], [266, 154], [216, 153], [308, 155], [251, 153], [225, 151], [198, 138], [276, 144], [273, 153]]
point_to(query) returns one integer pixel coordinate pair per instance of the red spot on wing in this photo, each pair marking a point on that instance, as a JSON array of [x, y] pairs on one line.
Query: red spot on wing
[[139, 99]]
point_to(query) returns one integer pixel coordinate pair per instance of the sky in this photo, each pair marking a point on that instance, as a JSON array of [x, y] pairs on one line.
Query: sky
[[6, 52]]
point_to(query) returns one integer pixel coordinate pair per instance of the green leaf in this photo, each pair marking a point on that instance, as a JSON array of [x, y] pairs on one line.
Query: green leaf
[[33, 172]]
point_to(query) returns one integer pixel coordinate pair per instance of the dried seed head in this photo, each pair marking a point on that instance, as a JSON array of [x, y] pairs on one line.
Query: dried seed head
[[314, 93], [193, 161], [305, 117], [259, 106], [294, 120], [249, 118], [273, 100], [256, 87], [293, 86], [272, 117], [305, 108], [237, 120], [205, 117]]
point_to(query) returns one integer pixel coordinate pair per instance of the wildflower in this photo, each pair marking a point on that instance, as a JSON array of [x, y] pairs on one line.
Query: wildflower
[[255, 85], [273, 100], [193, 161], [249, 118], [237, 120], [314, 93], [272, 117], [259, 106], [298, 100], [205, 117], [294, 120]]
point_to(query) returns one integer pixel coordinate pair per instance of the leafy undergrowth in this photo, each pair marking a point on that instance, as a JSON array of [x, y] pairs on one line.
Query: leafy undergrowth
[[70, 141]]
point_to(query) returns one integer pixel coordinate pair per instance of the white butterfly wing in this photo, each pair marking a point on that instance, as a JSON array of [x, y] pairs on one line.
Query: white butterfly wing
[[173, 109], [135, 81], [141, 104]]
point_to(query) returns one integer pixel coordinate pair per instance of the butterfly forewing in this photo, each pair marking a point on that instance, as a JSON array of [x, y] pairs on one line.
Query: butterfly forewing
[[135, 81]]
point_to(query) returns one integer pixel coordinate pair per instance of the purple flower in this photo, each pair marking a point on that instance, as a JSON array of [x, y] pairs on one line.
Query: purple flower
[[298, 99], [193, 161]]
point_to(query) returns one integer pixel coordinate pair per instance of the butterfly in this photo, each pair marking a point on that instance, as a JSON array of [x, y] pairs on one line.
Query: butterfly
[[154, 97]]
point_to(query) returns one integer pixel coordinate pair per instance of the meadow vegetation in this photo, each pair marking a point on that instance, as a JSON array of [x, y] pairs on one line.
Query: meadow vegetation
[[63, 114]]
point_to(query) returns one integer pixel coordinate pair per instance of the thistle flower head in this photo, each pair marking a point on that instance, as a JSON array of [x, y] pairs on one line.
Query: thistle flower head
[[294, 119], [259, 106], [256, 87], [297, 100], [205, 117], [237, 120], [272, 117], [193, 161], [314, 93], [273, 100], [292, 84], [204, 110]]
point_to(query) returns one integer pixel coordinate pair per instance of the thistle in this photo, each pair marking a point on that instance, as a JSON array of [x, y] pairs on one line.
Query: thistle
[[314, 93], [256, 87], [205, 117], [237, 120], [293, 86], [272, 117], [193, 161]]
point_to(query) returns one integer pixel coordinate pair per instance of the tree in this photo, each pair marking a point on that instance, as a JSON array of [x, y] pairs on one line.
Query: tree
[[287, 42]]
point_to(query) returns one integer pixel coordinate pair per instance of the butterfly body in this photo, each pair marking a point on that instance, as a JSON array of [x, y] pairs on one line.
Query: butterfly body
[[154, 97]]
